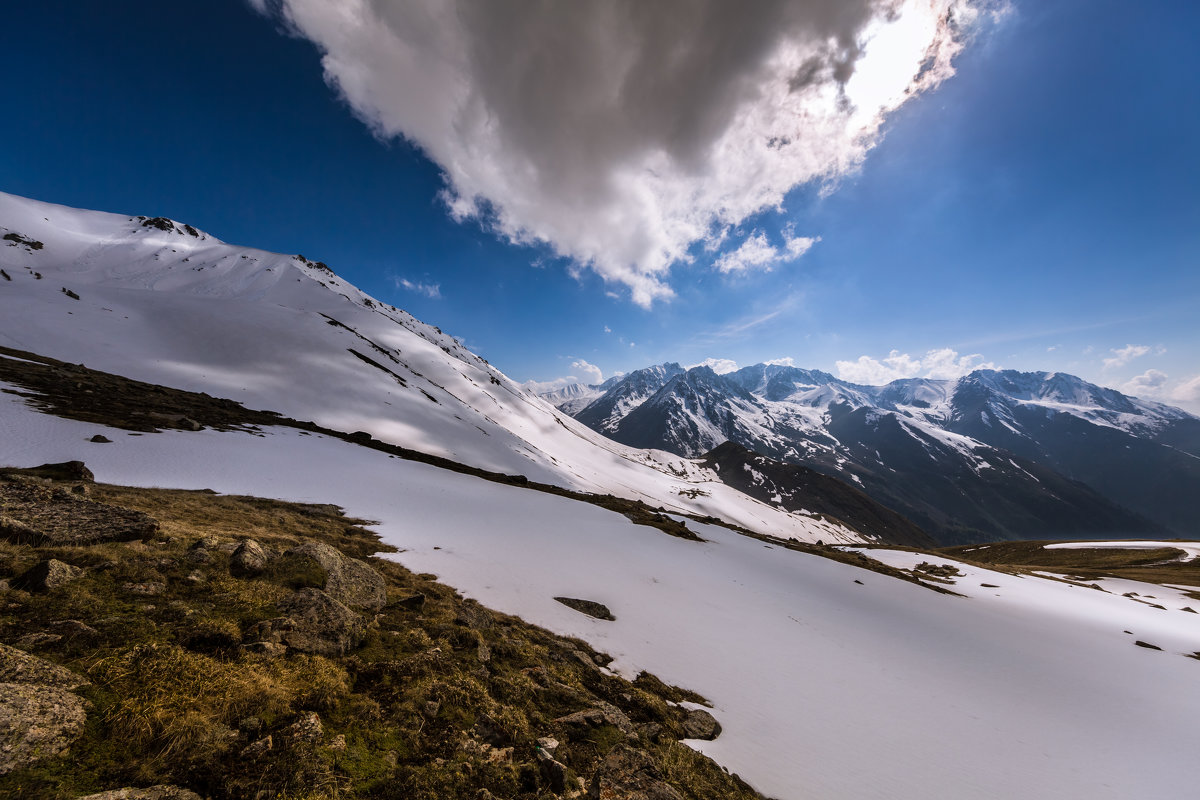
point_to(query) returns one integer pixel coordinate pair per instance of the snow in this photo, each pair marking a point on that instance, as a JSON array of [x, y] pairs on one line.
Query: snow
[[275, 332], [824, 687], [1191, 549]]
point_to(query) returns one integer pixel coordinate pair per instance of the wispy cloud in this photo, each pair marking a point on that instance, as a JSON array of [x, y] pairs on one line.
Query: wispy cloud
[[1122, 356], [432, 290], [943, 364], [717, 365], [620, 133], [757, 253]]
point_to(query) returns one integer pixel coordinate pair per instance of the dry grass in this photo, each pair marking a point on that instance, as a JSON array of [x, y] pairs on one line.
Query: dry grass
[[1157, 565]]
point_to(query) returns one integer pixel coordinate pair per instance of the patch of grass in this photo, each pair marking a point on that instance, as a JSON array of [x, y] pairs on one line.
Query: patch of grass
[[1156, 565]]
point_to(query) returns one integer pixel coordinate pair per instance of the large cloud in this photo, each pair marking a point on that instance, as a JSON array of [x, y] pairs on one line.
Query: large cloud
[[622, 132], [943, 364]]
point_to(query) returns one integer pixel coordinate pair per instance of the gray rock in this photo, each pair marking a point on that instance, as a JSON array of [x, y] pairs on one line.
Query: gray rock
[[32, 641], [474, 616], [306, 729], [699, 724], [603, 714], [589, 607], [314, 622], [258, 748], [48, 575], [147, 589], [248, 559], [628, 774], [161, 792], [347, 580], [554, 771], [100, 438], [37, 722], [17, 666]]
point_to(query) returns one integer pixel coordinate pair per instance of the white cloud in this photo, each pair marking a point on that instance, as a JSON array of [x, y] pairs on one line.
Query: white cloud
[[1149, 384], [588, 373], [718, 365], [432, 290], [582, 372], [757, 252], [620, 133], [1124, 355], [607, 329], [1187, 394], [781, 362], [942, 364]]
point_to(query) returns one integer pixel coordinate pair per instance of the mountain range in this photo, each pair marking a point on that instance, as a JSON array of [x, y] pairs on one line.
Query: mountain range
[[744, 560], [991, 455]]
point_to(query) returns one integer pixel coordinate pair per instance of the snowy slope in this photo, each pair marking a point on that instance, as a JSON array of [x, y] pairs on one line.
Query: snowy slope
[[162, 302], [825, 687]]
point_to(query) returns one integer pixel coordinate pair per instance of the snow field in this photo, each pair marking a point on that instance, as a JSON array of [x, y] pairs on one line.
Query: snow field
[[825, 688]]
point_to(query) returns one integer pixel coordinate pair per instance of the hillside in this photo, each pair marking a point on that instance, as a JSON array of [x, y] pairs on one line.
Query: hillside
[[159, 301]]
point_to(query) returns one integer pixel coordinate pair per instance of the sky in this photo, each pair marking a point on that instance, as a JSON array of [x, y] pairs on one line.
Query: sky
[[579, 190]]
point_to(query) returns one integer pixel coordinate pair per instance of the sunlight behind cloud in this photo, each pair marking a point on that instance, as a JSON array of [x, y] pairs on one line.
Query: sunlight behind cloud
[[620, 134]]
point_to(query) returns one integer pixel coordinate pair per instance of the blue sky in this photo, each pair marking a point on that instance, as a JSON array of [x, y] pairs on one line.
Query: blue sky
[[1039, 209]]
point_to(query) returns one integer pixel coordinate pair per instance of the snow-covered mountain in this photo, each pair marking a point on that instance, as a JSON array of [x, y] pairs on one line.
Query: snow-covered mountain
[[160, 301], [829, 679], [991, 455]]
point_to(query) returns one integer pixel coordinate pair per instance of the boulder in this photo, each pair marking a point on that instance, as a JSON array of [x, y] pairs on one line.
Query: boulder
[[628, 774], [161, 792], [699, 724], [347, 580], [249, 559], [48, 575], [17, 666], [313, 622], [603, 714], [37, 722]]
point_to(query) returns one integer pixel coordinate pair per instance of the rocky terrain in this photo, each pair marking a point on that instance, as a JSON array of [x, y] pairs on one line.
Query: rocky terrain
[[200, 645]]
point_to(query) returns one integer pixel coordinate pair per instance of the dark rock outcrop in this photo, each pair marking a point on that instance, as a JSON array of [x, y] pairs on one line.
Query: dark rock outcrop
[[589, 607], [628, 774]]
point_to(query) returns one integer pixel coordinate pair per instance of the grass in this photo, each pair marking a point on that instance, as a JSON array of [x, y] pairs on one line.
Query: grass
[[432, 705], [1156, 565]]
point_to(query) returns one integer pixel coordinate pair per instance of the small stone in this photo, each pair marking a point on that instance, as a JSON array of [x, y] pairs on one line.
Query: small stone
[[338, 743], [100, 438], [548, 743], [306, 729], [147, 589], [160, 792], [196, 577]]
